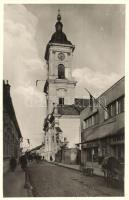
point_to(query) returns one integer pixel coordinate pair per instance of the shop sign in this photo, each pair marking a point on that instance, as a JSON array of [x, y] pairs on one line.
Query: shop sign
[[90, 145]]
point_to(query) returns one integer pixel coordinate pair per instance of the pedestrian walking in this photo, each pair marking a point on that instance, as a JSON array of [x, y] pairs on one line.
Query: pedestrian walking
[[13, 164], [24, 166], [51, 159], [23, 162]]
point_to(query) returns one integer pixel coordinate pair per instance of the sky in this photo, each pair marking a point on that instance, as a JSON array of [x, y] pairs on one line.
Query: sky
[[97, 31]]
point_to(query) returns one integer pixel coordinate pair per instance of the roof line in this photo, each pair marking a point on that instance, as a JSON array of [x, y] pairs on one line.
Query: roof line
[[111, 87]]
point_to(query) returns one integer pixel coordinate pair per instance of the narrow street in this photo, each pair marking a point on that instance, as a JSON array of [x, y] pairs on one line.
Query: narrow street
[[49, 180]]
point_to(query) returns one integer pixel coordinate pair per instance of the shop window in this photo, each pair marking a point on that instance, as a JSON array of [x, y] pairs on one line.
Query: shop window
[[61, 71], [106, 114], [84, 125], [120, 105], [91, 121], [115, 108], [89, 154], [95, 156], [87, 125], [96, 119], [111, 108]]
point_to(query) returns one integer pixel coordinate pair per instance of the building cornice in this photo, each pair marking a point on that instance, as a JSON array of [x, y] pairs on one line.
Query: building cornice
[[62, 45], [66, 81]]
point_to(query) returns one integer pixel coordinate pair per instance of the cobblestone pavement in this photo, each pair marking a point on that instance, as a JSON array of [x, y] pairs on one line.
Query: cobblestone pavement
[[49, 180]]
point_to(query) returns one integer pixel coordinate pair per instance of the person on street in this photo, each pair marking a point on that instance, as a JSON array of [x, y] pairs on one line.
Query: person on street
[[13, 164], [51, 159], [23, 162], [24, 166]]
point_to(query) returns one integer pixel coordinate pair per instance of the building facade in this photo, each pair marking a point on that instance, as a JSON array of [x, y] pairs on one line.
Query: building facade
[[11, 131], [102, 126], [59, 89]]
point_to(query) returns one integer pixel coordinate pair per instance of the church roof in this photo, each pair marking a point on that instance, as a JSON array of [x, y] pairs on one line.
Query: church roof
[[81, 104], [74, 109], [68, 110]]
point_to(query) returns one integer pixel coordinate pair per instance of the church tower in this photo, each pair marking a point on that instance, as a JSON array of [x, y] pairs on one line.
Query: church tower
[[60, 84], [59, 87]]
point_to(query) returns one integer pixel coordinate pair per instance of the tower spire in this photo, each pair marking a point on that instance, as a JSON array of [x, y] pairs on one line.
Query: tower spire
[[59, 16], [57, 37]]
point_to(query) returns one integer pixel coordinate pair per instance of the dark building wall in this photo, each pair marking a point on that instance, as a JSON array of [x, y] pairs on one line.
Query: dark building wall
[[11, 131]]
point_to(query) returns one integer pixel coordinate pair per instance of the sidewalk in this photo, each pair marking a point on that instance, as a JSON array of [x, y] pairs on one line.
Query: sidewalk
[[97, 170], [13, 184]]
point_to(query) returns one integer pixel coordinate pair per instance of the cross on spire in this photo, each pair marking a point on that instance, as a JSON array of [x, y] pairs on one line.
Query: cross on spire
[[58, 16], [58, 11]]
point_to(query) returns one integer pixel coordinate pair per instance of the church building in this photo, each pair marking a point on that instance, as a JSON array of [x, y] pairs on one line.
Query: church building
[[62, 120]]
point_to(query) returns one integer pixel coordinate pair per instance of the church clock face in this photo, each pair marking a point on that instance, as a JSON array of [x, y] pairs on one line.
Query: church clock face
[[61, 56]]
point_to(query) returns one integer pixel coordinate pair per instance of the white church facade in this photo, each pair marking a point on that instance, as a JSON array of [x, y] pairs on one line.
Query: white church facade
[[63, 111]]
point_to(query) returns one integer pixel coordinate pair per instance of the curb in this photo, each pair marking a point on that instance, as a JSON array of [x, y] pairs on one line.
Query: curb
[[79, 170]]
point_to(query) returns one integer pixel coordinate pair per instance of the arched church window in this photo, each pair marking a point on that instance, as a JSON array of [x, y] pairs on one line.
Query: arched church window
[[61, 71]]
